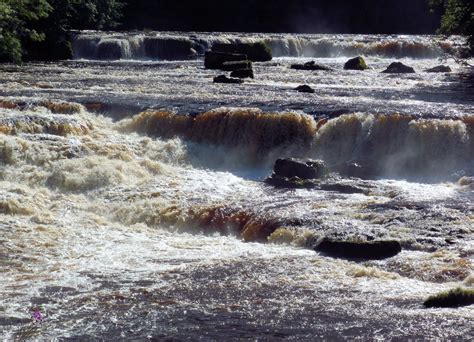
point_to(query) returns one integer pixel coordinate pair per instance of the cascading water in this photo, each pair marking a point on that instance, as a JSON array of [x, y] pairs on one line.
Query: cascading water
[[132, 201], [171, 46]]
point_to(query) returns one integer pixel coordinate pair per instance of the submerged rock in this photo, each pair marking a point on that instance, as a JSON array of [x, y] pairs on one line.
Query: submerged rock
[[439, 68], [242, 73], [398, 68], [236, 65], [357, 63], [225, 79], [216, 60], [305, 89], [451, 299], [367, 250], [255, 51], [310, 66]]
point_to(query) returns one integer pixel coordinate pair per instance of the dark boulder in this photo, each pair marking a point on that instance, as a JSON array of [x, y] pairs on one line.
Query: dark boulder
[[451, 299], [255, 51], [310, 66], [225, 79], [242, 73], [236, 65], [302, 168], [294, 173], [366, 250], [305, 89], [398, 68], [357, 63], [215, 60], [439, 68]]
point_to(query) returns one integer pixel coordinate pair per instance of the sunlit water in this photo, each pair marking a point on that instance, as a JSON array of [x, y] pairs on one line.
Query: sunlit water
[[121, 225]]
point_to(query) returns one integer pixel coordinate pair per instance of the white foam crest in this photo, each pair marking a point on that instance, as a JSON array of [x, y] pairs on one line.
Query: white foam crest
[[86, 44], [94, 172]]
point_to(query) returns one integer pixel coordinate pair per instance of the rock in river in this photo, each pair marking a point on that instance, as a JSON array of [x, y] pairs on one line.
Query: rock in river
[[256, 51], [367, 250], [439, 68], [297, 173], [225, 79], [304, 89], [398, 68], [216, 60], [451, 299], [302, 168], [312, 65], [357, 63], [242, 73], [236, 65]]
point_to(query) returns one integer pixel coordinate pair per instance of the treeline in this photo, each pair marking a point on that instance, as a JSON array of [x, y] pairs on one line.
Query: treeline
[[40, 29], [458, 18]]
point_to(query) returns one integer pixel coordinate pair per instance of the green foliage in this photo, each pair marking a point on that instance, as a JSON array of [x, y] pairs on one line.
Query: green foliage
[[85, 14], [40, 29], [16, 18], [458, 18]]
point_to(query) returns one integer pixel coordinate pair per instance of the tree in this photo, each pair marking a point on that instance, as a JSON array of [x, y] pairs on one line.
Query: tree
[[69, 15], [458, 18], [40, 29], [16, 18], [84, 14]]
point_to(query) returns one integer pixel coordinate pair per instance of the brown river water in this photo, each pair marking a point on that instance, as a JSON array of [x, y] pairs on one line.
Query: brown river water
[[132, 202]]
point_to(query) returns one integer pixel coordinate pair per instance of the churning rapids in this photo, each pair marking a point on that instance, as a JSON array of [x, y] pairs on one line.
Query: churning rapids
[[132, 204]]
